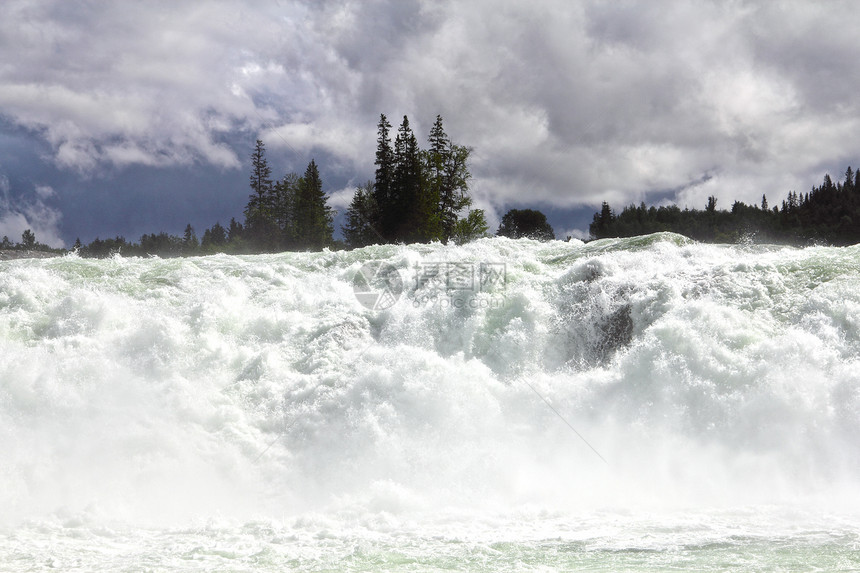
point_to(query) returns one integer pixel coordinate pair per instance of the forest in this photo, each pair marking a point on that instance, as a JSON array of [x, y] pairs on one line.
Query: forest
[[417, 195], [826, 215], [422, 195]]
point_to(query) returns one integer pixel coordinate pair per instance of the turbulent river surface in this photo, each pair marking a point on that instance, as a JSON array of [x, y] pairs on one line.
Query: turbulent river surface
[[643, 404]]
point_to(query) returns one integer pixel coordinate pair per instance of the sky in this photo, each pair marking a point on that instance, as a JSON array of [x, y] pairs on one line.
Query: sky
[[125, 118]]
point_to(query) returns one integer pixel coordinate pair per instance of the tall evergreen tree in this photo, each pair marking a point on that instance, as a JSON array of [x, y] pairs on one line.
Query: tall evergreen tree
[[407, 200], [189, 240], [448, 177], [384, 181], [235, 231], [285, 203], [313, 217], [214, 238], [359, 230], [260, 225], [28, 239]]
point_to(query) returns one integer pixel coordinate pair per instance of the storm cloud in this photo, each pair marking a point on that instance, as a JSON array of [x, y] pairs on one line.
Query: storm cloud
[[566, 104]]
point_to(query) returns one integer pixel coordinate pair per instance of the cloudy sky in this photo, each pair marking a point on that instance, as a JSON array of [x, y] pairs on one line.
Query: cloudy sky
[[123, 118]]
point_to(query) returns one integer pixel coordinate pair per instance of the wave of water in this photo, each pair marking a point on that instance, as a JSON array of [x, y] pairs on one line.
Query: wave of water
[[646, 394]]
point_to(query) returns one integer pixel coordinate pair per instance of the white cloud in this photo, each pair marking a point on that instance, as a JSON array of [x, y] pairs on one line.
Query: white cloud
[[564, 103], [18, 215]]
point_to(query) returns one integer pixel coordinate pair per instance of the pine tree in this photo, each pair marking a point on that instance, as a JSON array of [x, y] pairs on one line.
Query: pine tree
[[408, 207], [261, 182], [314, 218], [448, 177], [602, 223], [235, 231], [382, 186], [284, 212], [214, 238], [189, 240], [260, 225], [28, 239], [359, 230]]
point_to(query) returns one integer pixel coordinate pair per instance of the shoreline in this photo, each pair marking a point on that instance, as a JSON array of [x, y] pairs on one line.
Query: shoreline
[[13, 254]]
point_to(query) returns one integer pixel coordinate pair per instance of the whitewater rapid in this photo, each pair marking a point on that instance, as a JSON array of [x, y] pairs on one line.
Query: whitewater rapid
[[621, 394]]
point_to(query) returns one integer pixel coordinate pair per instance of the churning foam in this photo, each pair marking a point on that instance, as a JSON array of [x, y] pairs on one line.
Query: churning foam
[[500, 377]]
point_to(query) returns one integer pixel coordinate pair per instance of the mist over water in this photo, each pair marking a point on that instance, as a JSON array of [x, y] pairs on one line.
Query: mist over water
[[646, 393]]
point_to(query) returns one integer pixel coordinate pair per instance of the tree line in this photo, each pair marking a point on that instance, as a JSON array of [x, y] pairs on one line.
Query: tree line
[[827, 214], [417, 195], [27, 243]]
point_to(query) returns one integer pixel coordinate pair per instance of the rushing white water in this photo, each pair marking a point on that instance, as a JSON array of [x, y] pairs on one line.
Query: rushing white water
[[636, 404]]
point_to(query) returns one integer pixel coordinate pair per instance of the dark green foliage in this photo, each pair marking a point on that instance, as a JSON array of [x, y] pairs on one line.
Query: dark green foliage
[[359, 230], [235, 232], [260, 201], [408, 206], [828, 214], [189, 240], [418, 195], [108, 247], [474, 226], [288, 214], [28, 243], [448, 180], [313, 217], [28, 239], [383, 186], [260, 226], [284, 214], [528, 223], [214, 238], [162, 244]]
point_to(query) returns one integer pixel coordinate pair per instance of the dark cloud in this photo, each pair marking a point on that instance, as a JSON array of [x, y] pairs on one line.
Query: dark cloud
[[566, 104]]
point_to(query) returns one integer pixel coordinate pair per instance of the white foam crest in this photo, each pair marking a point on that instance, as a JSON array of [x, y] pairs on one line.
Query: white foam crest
[[156, 389]]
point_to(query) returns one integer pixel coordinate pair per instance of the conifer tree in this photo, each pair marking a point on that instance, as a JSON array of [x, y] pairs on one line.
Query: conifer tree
[[313, 217], [359, 230], [214, 238], [448, 177], [28, 239], [235, 231], [407, 200], [189, 240], [260, 225], [284, 202], [261, 181], [382, 186]]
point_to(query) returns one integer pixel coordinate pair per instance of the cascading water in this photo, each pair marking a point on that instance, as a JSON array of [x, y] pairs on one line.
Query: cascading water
[[631, 404]]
